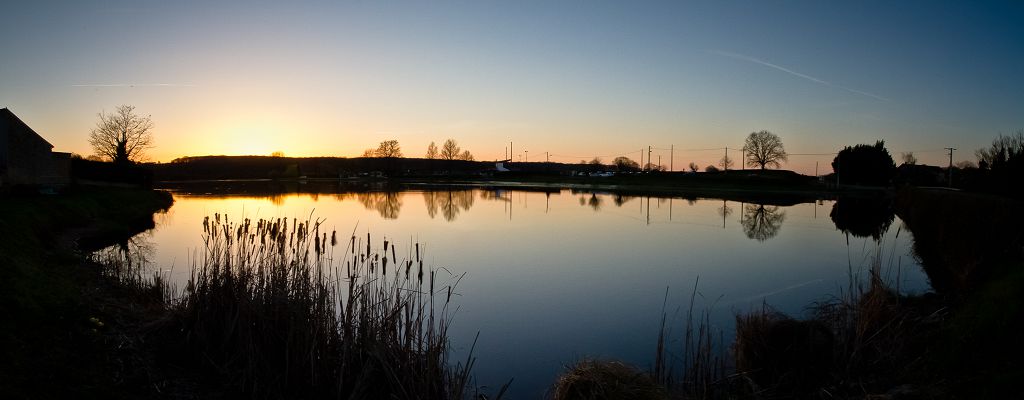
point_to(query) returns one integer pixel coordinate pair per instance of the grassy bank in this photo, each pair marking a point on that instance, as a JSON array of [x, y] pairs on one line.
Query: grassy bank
[[51, 344]]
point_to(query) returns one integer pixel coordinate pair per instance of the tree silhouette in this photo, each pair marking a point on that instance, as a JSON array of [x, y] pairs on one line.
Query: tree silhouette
[[761, 222], [763, 149], [865, 164], [726, 162], [466, 156], [122, 136], [450, 150], [388, 149], [694, 167], [432, 151], [625, 164]]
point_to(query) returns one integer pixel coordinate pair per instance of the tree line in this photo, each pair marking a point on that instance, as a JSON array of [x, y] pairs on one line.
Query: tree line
[[450, 150], [124, 136]]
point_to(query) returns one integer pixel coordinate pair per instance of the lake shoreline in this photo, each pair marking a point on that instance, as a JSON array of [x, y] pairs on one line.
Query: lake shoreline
[[69, 331]]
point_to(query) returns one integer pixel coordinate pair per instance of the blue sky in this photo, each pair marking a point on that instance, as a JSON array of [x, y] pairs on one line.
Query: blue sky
[[575, 79]]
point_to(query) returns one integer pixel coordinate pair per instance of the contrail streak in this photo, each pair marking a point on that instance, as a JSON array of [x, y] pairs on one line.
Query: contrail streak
[[794, 73], [134, 85]]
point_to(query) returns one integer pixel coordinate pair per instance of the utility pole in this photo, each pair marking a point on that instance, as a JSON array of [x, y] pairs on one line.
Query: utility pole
[[527, 155], [950, 169], [648, 160], [671, 165], [510, 152], [642, 167], [725, 161], [659, 161], [547, 157]]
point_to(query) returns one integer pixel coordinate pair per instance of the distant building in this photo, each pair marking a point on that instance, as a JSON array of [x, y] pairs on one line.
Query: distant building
[[26, 158]]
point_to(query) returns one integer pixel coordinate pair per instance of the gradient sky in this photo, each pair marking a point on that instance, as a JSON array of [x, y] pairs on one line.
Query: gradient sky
[[577, 79]]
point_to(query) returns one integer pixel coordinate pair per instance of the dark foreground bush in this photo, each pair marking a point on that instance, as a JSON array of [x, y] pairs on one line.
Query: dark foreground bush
[[606, 380]]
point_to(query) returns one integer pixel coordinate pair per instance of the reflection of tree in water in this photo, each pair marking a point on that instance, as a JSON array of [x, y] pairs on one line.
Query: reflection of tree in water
[[450, 203], [761, 222], [619, 199], [128, 259], [724, 211], [595, 202], [863, 217], [502, 195], [387, 204]]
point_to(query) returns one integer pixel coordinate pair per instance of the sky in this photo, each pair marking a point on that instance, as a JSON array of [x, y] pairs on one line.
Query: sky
[[573, 79]]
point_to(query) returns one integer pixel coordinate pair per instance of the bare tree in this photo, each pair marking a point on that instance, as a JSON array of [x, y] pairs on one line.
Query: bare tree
[[466, 156], [389, 149], [122, 136], [277, 154], [694, 167], [764, 148], [596, 161], [432, 151], [726, 162], [909, 158], [369, 153], [450, 150]]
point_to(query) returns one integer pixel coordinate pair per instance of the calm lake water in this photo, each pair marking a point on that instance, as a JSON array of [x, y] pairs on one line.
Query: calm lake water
[[555, 275]]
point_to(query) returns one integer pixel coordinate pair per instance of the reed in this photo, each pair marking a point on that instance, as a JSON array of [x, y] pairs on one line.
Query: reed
[[698, 368], [277, 311]]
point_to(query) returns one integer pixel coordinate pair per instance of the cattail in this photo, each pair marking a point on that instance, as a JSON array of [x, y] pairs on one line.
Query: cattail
[[206, 224], [334, 238]]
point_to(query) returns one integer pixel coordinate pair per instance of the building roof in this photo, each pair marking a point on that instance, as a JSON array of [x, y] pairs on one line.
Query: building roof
[[7, 114]]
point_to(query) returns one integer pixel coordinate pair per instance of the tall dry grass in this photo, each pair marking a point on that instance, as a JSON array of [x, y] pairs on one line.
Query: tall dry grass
[[274, 309], [698, 368]]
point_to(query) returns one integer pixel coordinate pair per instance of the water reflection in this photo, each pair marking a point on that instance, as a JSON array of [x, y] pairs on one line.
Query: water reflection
[[619, 199], [761, 222], [863, 217], [724, 211], [387, 204], [542, 268], [450, 203]]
